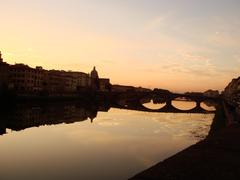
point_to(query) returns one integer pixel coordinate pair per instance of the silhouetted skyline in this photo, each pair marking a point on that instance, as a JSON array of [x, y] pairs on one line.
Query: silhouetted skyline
[[176, 45]]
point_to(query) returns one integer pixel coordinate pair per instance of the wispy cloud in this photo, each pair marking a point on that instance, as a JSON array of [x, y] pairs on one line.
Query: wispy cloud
[[155, 23]]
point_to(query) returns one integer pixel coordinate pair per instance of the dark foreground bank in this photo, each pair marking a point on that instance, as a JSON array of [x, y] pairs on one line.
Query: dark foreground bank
[[216, 157]]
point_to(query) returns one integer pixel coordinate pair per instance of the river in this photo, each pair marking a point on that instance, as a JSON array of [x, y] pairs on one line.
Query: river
[[48, 143]]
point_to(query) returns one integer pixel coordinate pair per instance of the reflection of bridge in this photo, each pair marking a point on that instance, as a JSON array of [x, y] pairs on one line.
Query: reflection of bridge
[[134, 101]]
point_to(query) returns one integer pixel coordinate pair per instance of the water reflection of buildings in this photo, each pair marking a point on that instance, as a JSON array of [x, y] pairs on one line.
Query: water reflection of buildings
[[23, 116]]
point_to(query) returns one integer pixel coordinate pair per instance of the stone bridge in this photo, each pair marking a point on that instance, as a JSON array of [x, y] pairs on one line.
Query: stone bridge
[[134, 101]]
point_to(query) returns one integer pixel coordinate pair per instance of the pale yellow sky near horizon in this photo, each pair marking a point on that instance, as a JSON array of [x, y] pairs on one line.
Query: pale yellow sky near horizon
[[187, 46]]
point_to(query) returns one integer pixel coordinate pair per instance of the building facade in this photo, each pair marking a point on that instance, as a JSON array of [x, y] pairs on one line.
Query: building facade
[[26, 80], [4, 71], [104, 85], [22, 78]]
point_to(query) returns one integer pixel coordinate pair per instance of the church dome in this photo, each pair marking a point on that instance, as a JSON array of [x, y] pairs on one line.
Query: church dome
[[94, 73]]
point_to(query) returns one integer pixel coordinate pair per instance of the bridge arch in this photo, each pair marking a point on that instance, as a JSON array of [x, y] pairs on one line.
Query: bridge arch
[[208, 106], [184, 104], [136, 102], [153, 105]]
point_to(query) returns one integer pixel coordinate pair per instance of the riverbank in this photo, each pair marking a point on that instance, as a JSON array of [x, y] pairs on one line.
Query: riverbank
[[83, 96], [216, 157]]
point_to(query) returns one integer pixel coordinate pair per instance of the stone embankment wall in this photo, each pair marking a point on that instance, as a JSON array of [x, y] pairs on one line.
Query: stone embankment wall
[[231, 95]]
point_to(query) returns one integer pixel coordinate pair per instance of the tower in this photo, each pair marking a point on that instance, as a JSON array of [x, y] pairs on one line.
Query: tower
[[94, 73], [1, 60], [94, 79]]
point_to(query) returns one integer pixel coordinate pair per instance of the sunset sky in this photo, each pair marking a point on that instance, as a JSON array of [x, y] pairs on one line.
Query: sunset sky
[[180, 45]]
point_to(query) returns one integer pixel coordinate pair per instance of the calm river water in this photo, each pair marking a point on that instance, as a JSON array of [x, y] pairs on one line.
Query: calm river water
[[115, 146]]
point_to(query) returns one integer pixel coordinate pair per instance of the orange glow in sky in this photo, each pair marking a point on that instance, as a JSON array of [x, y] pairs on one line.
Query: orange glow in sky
[[187, 46]]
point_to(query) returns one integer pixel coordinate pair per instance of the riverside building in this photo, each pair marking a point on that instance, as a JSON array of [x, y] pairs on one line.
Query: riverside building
[[23, 79]]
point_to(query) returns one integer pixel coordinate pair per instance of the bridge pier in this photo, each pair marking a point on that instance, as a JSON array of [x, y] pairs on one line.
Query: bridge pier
[[169, 103], [198, 107], [198, 104], [169, 107]]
